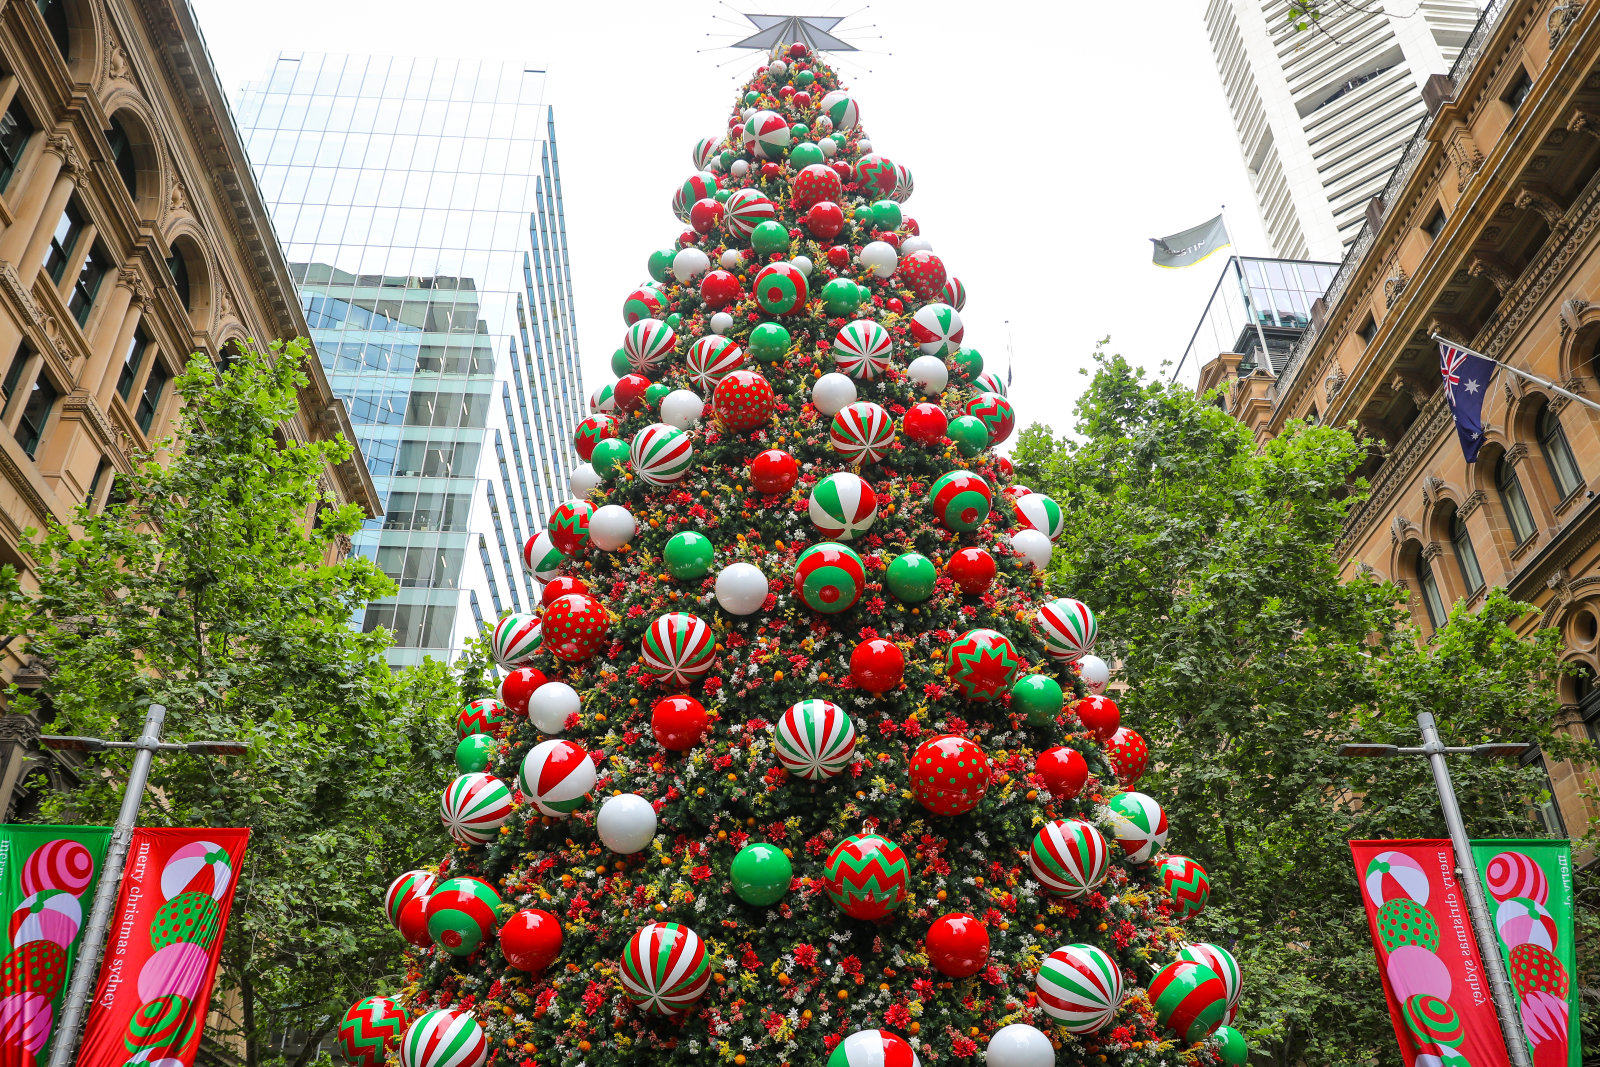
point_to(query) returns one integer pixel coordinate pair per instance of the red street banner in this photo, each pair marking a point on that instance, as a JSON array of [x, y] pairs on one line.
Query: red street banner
[[1433, 977], [162, 950]]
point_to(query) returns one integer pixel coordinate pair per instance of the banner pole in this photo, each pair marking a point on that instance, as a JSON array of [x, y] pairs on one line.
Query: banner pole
[[87, 969], [1505, 1006]]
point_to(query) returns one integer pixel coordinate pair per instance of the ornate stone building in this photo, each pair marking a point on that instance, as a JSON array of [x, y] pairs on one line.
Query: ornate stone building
[[132, 234], [1487, 233]]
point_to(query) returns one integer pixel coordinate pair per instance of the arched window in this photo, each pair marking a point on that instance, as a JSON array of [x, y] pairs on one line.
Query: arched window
[[1515, 504], [179, 269], [1431, 600], [54, 13], [1466, 556], [122, 156], [1557, 453]]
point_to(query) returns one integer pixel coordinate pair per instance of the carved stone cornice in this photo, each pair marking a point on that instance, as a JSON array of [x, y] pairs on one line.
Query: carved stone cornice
[[1560, 20], [1582, 121], [1547, 268], [1533, 196], [1557, 402], [44, 324], [1394, 475], [1571, 310], [1463, 153], [1475, 500], [59, 144], [130, 277], [1334, 382], [18, 729], [1432, 551], [1393, 286], [109, 436], [1487, 266], [1517, 453]]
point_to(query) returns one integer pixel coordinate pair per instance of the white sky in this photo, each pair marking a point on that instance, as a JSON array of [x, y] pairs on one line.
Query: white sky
[[1047, 146]]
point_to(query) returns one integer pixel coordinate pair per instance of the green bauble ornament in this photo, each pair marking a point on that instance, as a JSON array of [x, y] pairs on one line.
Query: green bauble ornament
[[886, 215], [761, 874], [655, 394], [1039, 697], [727, 157], [609, 456], [619, 363], [842, 296], [769, 342], [751, 96], [804, 154], [661, 263], [474, 753], [689, 555], [967, 364], [770, 237], [804, 78], [969, 433], [911, 577], [723, 194], [674, 320], [799, 132], [1231, 1045]]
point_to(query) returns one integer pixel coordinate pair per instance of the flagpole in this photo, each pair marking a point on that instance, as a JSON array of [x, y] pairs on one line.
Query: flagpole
[[1552, 386], [1244, 291]]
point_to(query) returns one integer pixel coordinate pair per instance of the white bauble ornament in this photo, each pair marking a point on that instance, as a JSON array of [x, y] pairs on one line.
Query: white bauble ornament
[[690, 263], [732, 259], [682, 408], [1095, 673], [880, 257], [551, 705], [612, 526], [626, 823], [714, 165], [865, 146], [832, 393], [829, 147], [746, 112], [915, 244], [739, 168], [930, 373], [721, 323], [802, 264], [741, 588], [1034, 546], [585, 480], [778, 68], [1019, 1045]]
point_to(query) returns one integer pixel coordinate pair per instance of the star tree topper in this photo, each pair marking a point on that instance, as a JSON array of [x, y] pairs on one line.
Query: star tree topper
[[814, 30]]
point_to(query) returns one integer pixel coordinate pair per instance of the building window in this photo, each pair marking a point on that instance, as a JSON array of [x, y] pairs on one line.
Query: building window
[[1368, 330], [1515, 504], [122, 156], [150, 398], [131, 363], [414, 625], [1558, 454], [13, 378], [1518, 90], [55, 21], [1435, 224], [94, 483], [1466, 556], [178, 267], [95, 268], [15, 129], [68, 229], [1431, 600], [1587, 697], [30, 429]]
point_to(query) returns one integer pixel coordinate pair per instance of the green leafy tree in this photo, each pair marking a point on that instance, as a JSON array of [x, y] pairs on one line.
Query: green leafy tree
[[217, 587], [1248, 661]]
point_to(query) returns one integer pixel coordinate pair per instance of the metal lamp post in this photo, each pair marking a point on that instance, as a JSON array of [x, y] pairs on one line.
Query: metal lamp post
[[87, 968], [1505, 1005]]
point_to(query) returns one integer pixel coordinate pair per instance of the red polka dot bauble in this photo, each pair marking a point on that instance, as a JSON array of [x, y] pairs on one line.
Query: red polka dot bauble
[[575, 627], [531, 940], [813, 185], [1064, 770], [1098, 714], [719, 289], [629, 392], [925, 423], [949, 774], [743, 401], [678, 722], [1128, 755], [923, 273], [518, 686], [560, 586], [972, 569], [774, 471], [957, 945], [877, 665]]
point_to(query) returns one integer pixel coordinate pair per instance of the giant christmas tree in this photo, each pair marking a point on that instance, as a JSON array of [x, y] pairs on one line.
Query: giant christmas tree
[[800, 764]]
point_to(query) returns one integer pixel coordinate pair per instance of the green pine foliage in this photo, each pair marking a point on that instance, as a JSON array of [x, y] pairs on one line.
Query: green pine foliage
[[1249, 660], [215, 586]]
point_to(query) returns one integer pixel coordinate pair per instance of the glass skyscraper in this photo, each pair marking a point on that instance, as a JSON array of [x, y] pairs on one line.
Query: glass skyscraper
[[419, 205]]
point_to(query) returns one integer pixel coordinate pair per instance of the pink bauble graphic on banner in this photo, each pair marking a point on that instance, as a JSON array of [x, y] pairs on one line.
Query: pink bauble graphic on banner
[[178, 968], [25, 1021], [53, 915], [1416, 972], [1392, 875], [1523, 922], [1514, 874], [59, 864], [199, 867]]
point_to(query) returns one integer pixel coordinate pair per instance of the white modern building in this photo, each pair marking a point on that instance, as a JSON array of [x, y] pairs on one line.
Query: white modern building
[[1324, 113], [419, 206]]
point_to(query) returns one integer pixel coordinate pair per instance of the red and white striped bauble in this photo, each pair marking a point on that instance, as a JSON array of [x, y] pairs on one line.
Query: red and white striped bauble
[[444, 1038], [1070, 858], [862, 349], [678, 648], [874, 1048], [516, 639], [412, 885], [862, 432], [661, 454], [648, 344], [556, 775], [705, 150], [474, 807], [1068, 628], [1080, 986], [665, 969], [745, 210], [814, 739], [710, 359]]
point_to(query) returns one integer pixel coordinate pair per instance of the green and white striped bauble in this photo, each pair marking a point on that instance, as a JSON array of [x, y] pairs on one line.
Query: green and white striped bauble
[[990, 382], [1080, 987], [648, 343], [712, 358], [661, 454], [474, 807], [841, 110], [1039, 512], [862, 349], [1139, 825], [516, 639], [444, 1038], [541, 558], [603, 401], [843, 505]]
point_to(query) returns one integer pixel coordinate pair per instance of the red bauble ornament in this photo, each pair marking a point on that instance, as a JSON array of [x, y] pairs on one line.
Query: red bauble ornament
[[743, 401], [705, 215], [957, 945], [774, 471], [814, 185], [949, 774], [973, 570], [825, 220], [923, 273], [786, 92], [414, 922], [687, 238], [895, 304], [678, 722], [735, 123], [1064, 771], [1004, 466], [575, 627], [629, 391], [925, 423], [1128, 755], [719, 289], [844, 170], [518, 686], [560, 586], [797, 50], [839, 256], [877, 665], [1098, 714], [531, 939], [802, 99], [770, 171]]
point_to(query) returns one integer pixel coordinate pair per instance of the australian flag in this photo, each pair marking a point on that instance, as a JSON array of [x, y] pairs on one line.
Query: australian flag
[[1466, 383]]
